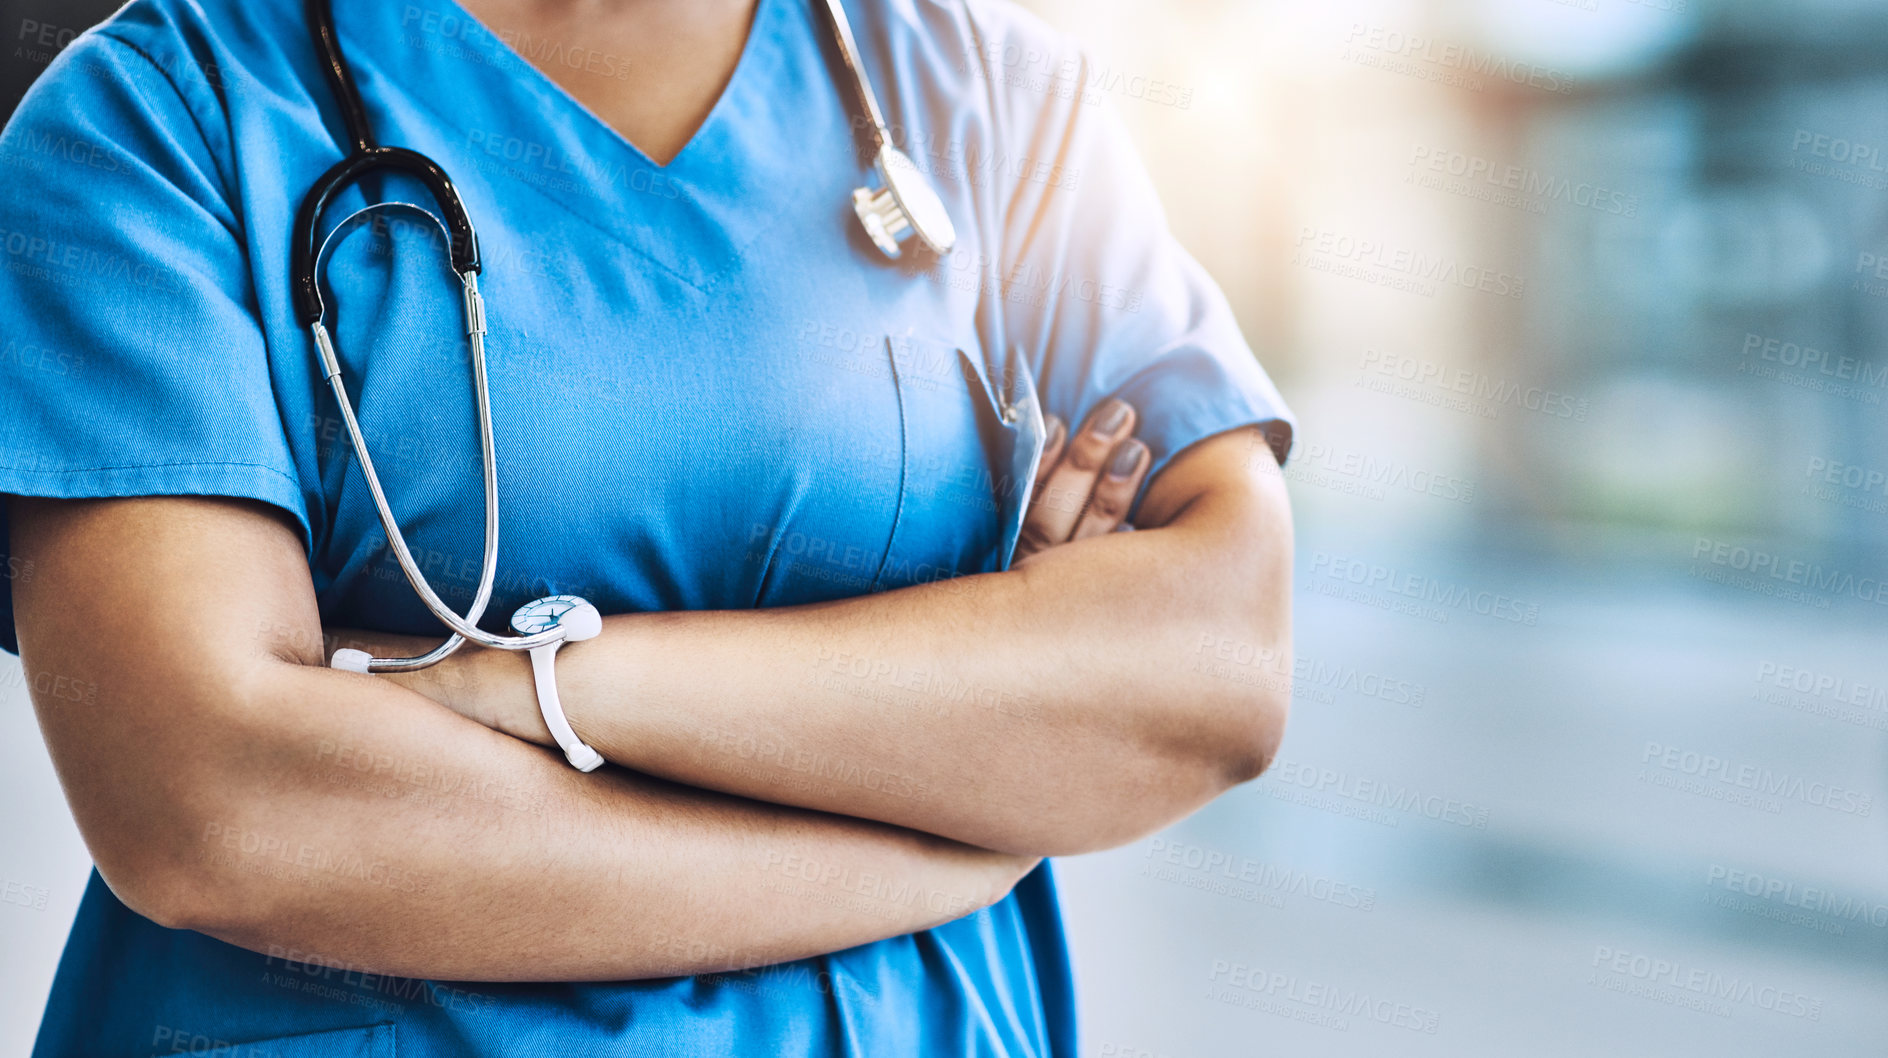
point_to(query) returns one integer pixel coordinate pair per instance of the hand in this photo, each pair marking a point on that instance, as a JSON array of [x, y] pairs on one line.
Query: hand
[[1084, 486], [493, 687], [1083, 489]]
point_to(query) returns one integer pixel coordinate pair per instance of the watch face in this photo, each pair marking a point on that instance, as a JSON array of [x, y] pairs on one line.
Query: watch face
[[544, 614]]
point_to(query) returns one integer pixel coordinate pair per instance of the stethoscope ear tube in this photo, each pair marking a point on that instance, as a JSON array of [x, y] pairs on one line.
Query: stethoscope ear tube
[[907, 207], [307, 240], [307, 248], [320, 18], [364, 157], [461, 628]]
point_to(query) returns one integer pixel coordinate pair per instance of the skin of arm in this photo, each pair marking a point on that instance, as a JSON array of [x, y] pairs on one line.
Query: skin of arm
[[225, 782], [1057, 708]]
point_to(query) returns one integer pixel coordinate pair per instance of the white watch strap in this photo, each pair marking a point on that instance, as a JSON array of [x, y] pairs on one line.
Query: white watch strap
[[544, 669]]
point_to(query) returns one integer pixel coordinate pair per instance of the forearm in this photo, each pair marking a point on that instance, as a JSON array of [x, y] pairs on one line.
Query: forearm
[[367, 826], [226, 782], [1058, 707]]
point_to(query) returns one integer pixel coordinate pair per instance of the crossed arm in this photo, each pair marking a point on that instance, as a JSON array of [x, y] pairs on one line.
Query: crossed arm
[[1051, 710], [216, 770]]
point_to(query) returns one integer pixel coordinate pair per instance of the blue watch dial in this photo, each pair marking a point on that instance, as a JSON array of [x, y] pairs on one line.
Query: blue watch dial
[[544, 614]]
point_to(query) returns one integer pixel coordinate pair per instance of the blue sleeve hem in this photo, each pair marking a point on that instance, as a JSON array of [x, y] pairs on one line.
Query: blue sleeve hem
[[1179, 408], [237, 480]]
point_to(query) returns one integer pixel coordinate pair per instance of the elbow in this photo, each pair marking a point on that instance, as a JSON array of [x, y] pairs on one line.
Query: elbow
[[180, 876], [151, 878], [1161, 783], [1256, 727], [190, 851], [164, 898], [187, 845]]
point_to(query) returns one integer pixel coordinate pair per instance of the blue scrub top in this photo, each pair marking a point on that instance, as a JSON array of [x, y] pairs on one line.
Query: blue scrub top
[[709, 391]]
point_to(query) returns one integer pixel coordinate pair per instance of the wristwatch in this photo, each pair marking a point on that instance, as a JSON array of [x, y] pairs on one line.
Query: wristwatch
[[579, 621]]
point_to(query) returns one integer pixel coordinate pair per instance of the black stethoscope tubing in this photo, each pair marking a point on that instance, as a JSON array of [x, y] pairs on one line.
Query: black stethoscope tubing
[[364, 158]]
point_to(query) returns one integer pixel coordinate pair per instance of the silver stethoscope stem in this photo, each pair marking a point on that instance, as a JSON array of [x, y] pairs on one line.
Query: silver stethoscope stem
[[463, 628], [842, 29], [906, 205], [905, 208]]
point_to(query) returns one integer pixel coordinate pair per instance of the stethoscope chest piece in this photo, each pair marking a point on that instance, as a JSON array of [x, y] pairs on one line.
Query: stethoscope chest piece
[[906, 206]]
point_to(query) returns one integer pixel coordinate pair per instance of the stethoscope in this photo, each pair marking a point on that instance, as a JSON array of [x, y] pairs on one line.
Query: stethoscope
[[905, 207]]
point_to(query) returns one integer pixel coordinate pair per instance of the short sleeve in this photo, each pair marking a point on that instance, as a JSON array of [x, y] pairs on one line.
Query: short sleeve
[[1098, 287], [133, 358]]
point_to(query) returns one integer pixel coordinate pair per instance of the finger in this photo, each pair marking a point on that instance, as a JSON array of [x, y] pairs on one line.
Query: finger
[[1114, 493], [1066, 490], [1051, 452]]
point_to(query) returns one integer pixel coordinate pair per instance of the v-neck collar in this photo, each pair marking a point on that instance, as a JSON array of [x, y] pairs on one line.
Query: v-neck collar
[[546, 84], [741, 171]]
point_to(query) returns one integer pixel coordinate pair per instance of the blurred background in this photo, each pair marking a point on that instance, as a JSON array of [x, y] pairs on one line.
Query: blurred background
[[1582, 306]]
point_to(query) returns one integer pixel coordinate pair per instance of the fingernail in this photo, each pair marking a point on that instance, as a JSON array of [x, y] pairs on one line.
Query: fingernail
[[1127, 456], [1112, 419], [1055, 432]]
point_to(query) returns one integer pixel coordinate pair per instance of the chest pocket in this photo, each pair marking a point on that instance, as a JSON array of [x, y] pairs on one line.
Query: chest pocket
[[970, 446]]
